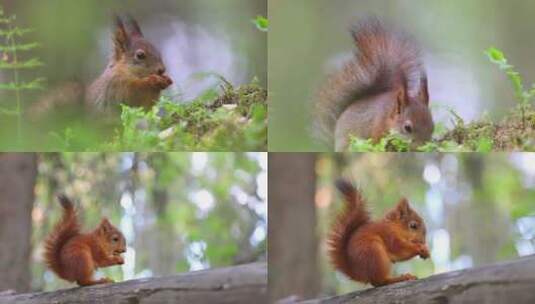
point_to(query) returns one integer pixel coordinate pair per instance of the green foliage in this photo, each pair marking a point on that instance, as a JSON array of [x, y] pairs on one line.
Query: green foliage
[[515, 132], [523, 96], [167, 218], [389, 143], [397, 143], [234, 120], [262, 23], [394, 142], [11, 46]]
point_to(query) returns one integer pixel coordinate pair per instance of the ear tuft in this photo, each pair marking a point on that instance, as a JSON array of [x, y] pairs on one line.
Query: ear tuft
[[423, 90], [121, 41], [403, 208], [105, 225], [132, 26], [402, 96]]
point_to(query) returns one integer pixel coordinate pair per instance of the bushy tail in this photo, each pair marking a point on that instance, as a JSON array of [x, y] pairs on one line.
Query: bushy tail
[[63, 98], [353, 216], [64, 230], [384, 60]]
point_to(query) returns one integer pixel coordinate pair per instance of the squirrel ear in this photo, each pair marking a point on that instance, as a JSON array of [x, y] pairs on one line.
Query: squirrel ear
[[133, 27], [401, 97], [403, 207], [121, 40], [105, 225], [424, 92], [401, 210]]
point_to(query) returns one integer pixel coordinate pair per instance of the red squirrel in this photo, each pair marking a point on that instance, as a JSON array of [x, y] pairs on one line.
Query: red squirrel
[[135, 74], [382, 88], [364, 249], [74, 256]]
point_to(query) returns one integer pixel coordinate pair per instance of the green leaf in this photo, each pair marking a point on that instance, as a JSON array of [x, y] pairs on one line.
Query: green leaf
[[262, 23], [36, 84], [19, 47], [9, 112], [485, 145], [495, 55], [28, 64]]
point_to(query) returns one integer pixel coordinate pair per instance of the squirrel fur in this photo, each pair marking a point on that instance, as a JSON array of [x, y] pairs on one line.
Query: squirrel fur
[[74, 256], [382, 88], [364, 250], [135, 75]]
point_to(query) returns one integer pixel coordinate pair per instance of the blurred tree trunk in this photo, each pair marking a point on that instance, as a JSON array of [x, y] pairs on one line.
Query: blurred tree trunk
[[18, 173], [482, 238], [292, 246]]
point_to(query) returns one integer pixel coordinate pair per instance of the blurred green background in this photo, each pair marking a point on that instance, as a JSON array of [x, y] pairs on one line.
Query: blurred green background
[[309, 38], [478, 209], [179, 212], [197, 39]]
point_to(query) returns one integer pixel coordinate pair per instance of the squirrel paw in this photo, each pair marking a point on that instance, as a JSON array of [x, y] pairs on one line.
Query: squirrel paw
[[116, 259], [119, 260], [408, 277], [105, 281], [160, 82], [423, 252]]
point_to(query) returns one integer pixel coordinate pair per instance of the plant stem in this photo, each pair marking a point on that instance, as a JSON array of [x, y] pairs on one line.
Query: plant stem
[[17, 87]]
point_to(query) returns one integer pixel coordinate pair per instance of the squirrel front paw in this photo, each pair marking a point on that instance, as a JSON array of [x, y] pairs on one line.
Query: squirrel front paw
[[119, 260], [160, 82], [116, 259], [408, 277], [423, 252], [107, 280]]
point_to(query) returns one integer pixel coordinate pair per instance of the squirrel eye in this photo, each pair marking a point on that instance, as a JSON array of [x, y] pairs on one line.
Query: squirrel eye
[[115, 239], [413, 225], [140, 55], [408, 128]]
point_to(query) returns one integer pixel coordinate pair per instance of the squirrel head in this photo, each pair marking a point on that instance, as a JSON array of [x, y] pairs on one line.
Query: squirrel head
[[131, 47], [111, 239], [411, 116], [411, 224]]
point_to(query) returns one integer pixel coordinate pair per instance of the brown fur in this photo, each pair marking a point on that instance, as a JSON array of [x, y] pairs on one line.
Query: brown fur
[[364, 250], [127, 78], [74, 256], [386, 70]]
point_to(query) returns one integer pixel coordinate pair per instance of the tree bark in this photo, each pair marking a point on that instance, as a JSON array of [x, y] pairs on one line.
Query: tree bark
[[18, 172], [292, 224], [507, 282], [238, 284]]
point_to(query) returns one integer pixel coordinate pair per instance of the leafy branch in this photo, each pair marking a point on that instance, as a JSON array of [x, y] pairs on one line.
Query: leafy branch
[[11, 61], [522, 95]]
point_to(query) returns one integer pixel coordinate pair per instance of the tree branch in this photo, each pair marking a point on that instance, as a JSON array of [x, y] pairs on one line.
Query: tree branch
[[507, 282], [238, 284]]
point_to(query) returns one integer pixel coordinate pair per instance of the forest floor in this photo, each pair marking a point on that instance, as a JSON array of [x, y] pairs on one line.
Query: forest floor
[[229, 119], [515, 132], [222, 118]]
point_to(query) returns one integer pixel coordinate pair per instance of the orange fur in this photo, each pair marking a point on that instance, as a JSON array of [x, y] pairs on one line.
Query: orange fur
[[74, 256], [364, 250]]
